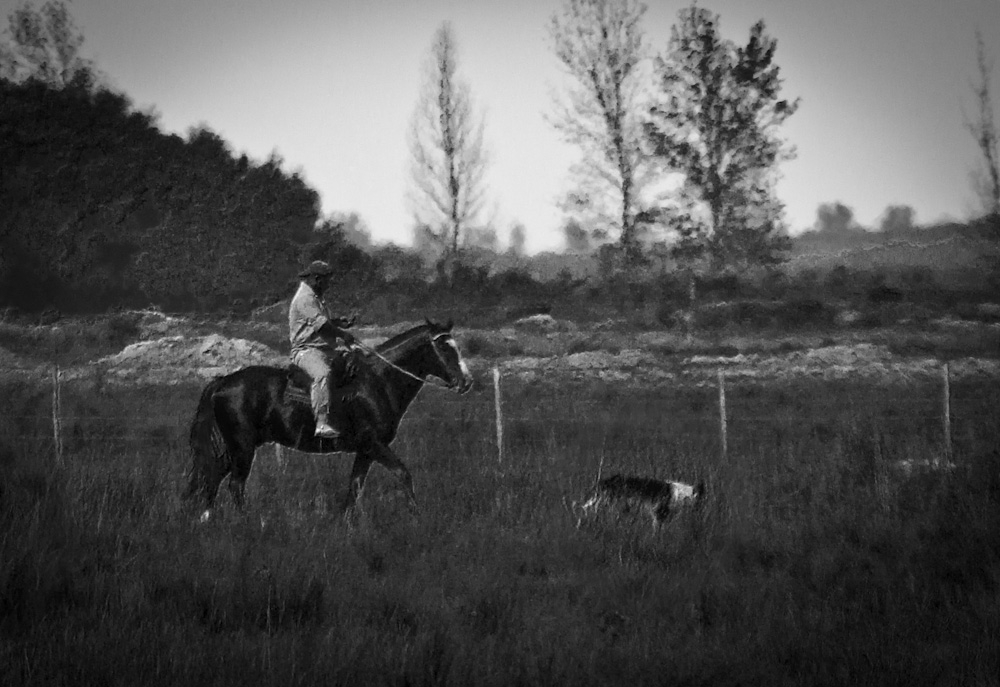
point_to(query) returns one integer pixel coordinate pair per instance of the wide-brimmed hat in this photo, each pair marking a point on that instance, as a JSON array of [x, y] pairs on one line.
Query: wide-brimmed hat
[[318, 268]]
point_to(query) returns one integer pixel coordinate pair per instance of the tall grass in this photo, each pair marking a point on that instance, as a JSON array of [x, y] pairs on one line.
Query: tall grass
[[812, 562]]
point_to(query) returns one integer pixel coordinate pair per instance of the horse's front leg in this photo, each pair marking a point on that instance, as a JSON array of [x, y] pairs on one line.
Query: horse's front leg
[[386, 457], [362, 464]]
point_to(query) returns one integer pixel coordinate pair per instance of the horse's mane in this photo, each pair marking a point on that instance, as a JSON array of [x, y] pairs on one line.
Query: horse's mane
[[403, 338]]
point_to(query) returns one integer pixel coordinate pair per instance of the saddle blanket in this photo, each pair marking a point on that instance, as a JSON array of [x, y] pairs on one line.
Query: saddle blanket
[[297, 390]]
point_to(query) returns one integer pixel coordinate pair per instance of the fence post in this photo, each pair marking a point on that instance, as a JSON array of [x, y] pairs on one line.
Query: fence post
[[279, 456], [722, 416], [945, 374], [496, 397], [57, 415]]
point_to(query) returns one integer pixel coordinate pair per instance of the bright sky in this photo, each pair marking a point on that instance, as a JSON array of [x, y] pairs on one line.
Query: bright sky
[[330, 86]]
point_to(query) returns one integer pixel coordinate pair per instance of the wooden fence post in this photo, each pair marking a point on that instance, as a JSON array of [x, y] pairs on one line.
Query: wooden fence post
[[279, 456], [945, 374], [57, 415], [722, 416], [499, 412]]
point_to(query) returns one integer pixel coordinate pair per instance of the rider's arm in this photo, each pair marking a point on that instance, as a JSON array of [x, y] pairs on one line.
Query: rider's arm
[[330, 331], [344, 322]]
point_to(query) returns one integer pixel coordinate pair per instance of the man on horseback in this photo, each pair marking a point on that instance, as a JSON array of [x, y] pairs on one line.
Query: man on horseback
[[320, 344]]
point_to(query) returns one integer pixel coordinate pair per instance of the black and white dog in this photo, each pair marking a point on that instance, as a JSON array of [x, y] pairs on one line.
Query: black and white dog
[[656, 497]]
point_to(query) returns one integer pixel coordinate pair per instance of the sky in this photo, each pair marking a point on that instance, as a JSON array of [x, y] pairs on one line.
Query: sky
[[330, 86]]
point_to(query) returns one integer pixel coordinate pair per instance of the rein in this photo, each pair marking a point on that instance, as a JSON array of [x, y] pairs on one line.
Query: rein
[[433, 381]]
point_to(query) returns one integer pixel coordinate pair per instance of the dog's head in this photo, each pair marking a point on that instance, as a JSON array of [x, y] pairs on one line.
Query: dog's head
[[688, 495]]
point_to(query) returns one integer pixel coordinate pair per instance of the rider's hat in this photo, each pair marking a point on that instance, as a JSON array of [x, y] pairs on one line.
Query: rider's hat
[[318, 268]]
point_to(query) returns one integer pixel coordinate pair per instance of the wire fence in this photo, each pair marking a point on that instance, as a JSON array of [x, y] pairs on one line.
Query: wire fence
[[495, 418]]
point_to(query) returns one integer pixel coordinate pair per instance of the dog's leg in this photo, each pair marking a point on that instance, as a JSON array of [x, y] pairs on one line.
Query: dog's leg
[[591, 504], [660, 514]]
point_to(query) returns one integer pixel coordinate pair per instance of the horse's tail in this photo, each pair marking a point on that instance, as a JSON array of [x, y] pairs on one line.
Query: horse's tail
[[208, 446]]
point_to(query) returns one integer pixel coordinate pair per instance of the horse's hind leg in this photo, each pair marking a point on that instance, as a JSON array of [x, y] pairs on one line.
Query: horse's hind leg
[[207, 480], [359, 472], [242, 462]]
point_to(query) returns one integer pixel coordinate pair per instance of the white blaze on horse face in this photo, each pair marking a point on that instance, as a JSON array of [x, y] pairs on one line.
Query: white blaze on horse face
[[461, 361], [449, 341], [205, 516]]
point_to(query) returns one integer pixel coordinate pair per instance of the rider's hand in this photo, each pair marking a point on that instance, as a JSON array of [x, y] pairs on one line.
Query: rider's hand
[[347, 322]]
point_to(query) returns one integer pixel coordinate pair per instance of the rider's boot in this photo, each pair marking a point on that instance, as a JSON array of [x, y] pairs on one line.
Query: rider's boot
[[324, 430], [335, 421]]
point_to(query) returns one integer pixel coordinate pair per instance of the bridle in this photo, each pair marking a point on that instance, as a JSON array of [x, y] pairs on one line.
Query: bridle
[[433, 381]]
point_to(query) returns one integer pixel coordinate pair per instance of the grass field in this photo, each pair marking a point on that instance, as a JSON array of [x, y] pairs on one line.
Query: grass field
[[812, 562]]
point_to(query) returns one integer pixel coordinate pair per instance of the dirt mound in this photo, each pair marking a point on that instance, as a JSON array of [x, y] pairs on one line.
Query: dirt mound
[[276, 313], [154, 324], [12, 362], [628, 364], [173, 358], [543, 322], [860, 361]]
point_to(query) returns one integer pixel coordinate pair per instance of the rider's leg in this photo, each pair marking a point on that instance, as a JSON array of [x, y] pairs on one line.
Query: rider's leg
[[339, 379], [316, 365]]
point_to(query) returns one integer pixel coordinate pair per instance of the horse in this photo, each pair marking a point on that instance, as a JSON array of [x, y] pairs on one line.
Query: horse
[[260, 404]]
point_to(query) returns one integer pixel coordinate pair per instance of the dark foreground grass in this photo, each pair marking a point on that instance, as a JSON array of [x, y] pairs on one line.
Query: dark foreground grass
[[813, 561]]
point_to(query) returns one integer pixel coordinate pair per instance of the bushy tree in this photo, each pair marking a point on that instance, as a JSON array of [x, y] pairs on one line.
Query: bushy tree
[[98, 207], [715, 120], [600, 45], [897, 219], [835, 219], [44, 44], [576, 238]]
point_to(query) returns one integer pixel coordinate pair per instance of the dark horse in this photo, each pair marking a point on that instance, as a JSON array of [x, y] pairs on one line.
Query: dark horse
[[240, 411]]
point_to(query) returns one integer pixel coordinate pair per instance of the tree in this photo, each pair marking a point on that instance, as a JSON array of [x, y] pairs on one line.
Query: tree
[[836, 218], [576, 238], [44, 45], [715, 121], [449, 160], [897, 219], [600, 44], [98, 206], [517, 239], [354, 228], [984, 131]]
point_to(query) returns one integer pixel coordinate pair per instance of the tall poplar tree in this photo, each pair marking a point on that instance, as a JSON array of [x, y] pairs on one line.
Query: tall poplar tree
[[984, 130], [600, 45], [449, 160]]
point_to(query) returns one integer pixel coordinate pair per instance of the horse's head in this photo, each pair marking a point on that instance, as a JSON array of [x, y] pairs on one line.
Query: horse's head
[[449, 366]]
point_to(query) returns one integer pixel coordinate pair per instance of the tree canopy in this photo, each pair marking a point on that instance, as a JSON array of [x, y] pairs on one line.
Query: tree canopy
[[449, 158], [600, 45], [44, 45], [715, 120], [98, 205]]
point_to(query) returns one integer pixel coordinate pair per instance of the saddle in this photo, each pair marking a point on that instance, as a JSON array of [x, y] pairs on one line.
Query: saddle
[[298, 388]]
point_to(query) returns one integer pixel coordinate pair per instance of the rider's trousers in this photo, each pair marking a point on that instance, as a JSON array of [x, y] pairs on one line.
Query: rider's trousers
[[317, 365]]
